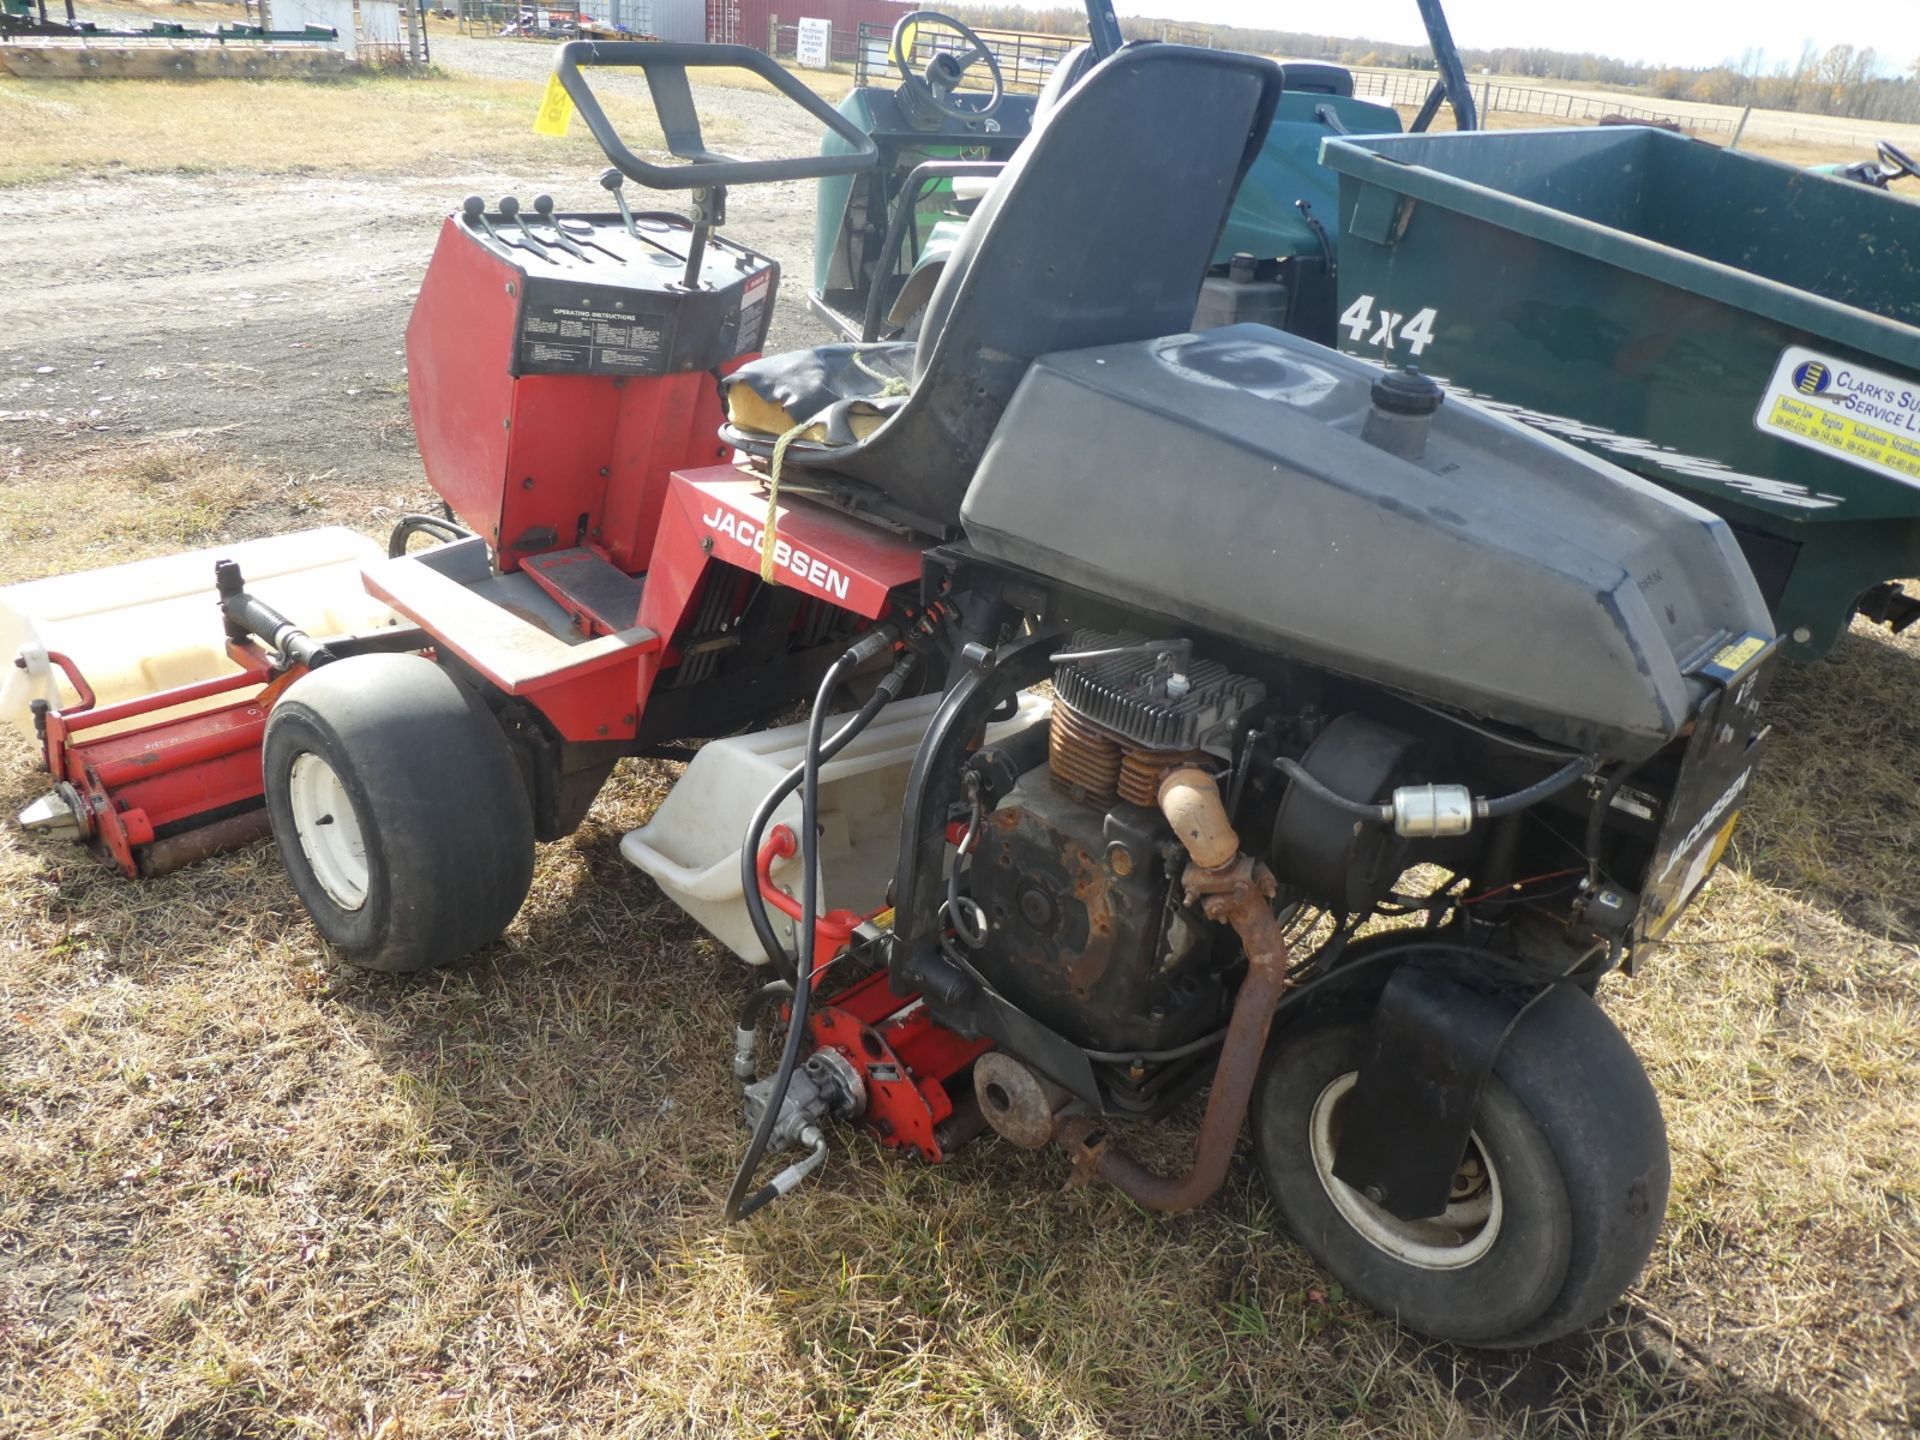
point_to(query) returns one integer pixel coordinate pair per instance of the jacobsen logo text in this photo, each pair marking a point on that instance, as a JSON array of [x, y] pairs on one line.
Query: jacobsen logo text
[[1706, 822], [810, 568]]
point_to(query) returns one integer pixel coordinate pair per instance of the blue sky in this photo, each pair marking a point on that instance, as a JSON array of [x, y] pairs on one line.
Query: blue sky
[[1678, 32]]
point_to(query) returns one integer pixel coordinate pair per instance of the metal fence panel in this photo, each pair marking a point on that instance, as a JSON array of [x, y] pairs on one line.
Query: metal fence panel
[[1410, 87], [1026, 57]]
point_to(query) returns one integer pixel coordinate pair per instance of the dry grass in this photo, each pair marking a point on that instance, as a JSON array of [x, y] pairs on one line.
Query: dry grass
[[246, 1192], [114, 501], [385, 124]]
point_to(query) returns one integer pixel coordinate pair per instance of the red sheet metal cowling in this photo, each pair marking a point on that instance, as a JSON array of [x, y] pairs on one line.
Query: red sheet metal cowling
[[537, 462], [717, 514]]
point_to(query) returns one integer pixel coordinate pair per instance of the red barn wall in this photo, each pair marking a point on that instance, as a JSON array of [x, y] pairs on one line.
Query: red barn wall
[[752, 20]]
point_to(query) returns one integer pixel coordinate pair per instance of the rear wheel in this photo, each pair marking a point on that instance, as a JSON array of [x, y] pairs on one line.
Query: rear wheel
[[399, 811], [1554, 1208]]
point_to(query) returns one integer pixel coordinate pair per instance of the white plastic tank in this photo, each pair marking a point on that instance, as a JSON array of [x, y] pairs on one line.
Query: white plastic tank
[[155, 624], [691, 847]]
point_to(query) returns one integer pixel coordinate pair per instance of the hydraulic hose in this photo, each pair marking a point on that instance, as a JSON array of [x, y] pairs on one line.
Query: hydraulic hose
[[758, 1001], [876, 642], [1154, 1057], [408, 525], [246, 616], [790, 1177], [972, 935], [889, 689], [1303, 992], [747, 1028]]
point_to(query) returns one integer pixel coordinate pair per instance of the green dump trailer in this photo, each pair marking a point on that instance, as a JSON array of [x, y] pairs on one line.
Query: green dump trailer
[[1729, 327]]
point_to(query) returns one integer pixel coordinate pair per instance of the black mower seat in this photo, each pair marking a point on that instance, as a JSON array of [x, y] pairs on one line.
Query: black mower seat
[[839, 393], [1098, 233]]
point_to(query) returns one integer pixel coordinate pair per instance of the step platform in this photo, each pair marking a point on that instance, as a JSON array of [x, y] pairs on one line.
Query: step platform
[[546, 637], [602, 598]]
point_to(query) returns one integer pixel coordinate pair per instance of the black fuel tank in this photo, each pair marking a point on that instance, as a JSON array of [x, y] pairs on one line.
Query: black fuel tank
[[1223, 480]]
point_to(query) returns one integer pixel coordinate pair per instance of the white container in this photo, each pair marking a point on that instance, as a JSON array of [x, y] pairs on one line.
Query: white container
[[691, 847], [155, 624]]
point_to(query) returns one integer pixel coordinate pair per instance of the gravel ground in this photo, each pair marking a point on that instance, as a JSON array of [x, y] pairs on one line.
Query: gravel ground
[[268, 313]]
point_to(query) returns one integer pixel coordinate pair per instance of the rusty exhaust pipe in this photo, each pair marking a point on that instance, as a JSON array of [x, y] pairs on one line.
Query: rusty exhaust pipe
[[1237, 889]]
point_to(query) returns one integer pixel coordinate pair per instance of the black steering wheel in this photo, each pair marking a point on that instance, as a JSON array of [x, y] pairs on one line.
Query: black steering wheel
[[945, 70], [1898, 161]]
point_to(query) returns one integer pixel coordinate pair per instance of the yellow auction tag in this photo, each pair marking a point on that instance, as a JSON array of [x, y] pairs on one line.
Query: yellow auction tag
[[1732, 657], [556, 109]]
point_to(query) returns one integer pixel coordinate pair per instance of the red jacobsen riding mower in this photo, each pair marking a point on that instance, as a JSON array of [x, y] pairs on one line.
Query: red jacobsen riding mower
[[1190, 712]]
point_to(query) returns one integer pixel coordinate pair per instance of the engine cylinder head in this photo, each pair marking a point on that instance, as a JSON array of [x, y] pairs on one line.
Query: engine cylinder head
[[1128, 711], [1142, 770], [1152, 693], [1084, 758]]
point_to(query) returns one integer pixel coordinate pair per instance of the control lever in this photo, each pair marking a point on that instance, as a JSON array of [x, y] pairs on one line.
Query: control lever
[[543, 206], [510, 212], [475, 209], [1172, 660], [611, 180]]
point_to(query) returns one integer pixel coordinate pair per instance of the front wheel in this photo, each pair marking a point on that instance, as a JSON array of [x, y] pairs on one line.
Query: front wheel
[[1553, 1210], [399, 811]]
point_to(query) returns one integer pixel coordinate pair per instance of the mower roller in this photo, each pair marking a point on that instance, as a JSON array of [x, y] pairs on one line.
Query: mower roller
[[1148, 669]]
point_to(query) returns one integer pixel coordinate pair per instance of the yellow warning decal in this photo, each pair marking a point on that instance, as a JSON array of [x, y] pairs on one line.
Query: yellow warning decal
[[884, 919], [1731, 657], [1863, 417], [556, 109], [1696, 876]]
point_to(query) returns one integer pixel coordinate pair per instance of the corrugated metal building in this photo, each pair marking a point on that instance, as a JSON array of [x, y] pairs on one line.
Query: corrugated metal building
[[684, 20]]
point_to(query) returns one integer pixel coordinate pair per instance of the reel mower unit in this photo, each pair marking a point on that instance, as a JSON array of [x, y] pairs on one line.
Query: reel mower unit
[[1139, 674]]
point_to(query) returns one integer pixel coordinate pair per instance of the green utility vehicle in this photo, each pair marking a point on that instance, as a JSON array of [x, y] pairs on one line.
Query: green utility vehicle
[[1737, 330], [951, 120], [1732, 328]]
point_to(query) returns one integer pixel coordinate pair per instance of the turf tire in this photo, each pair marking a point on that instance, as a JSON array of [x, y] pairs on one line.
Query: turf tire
[[1574, 1133], [443, 815]]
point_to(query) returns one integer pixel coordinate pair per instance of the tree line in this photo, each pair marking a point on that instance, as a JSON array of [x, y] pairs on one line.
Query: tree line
[[1841, 80]]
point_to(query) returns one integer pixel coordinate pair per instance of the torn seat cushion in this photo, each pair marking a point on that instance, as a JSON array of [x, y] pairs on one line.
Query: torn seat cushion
[[837, 394]]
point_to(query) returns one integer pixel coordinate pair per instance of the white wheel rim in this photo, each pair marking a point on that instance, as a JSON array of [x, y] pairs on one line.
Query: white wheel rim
[[1452, 1240], [328, 830]]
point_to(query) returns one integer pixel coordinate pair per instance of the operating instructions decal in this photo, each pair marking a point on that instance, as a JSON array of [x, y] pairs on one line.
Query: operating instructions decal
[[587, 338]]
